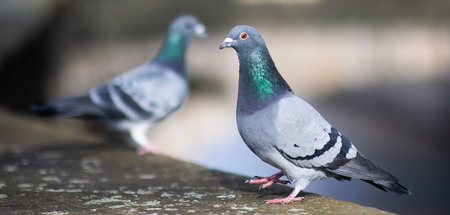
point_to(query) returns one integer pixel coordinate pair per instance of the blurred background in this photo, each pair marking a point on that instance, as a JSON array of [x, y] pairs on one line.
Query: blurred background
[[379, 71]]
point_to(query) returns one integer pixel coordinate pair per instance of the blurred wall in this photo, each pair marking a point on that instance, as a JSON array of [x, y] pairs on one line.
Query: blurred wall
[[320, 46]]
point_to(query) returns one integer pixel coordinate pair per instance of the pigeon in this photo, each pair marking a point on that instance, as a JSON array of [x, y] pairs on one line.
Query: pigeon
[[288, 133], [141, 97]]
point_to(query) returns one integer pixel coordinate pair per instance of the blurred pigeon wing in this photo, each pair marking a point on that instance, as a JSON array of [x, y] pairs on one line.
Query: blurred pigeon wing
[[147, 92]]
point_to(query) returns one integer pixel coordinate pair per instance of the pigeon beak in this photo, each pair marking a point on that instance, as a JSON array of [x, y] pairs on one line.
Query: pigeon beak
[[227, 42], [200, 31]]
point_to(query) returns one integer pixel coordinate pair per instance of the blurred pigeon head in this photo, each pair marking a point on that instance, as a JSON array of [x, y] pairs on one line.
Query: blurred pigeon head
[[188, 25]]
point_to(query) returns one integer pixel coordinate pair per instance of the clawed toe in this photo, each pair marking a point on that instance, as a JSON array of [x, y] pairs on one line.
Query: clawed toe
[[286, 200], [291, 198], [267, 181], [283, 182]]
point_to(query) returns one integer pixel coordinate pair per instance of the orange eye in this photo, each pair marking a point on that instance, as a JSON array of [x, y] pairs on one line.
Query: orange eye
[[243, 36]]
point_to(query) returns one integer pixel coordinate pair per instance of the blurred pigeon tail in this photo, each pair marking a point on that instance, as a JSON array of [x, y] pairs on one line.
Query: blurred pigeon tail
[[69, 107]]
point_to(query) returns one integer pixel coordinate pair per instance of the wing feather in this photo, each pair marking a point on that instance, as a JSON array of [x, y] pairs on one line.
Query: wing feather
[[306, 138], [150, 91]]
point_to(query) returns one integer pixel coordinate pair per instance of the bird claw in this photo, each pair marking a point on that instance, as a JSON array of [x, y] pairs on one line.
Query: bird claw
[[283, 182], [286, 200], [252, 181], [267, 181]]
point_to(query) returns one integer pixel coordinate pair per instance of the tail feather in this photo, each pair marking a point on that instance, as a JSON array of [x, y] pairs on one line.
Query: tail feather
[[363, 169], [47, 108], [391, 186], [70, 107]]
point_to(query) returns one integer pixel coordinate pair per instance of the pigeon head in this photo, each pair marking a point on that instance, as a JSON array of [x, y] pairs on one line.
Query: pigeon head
[[259, 81], [243, 38], [180, 32], [188, 26]]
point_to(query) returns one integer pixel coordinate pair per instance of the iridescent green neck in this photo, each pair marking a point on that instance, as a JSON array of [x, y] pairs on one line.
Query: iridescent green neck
[[259, 80], [174, 47]]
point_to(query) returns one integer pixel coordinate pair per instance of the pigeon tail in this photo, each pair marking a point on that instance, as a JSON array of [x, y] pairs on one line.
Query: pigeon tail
[[363, 169], [70, 107], [44, 108], [391, 186]]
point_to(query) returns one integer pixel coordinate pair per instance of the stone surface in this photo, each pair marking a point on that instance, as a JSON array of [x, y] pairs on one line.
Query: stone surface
[[49, 168]]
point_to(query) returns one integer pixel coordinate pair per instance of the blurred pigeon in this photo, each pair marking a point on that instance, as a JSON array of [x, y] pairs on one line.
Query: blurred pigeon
[[288, 133], [141, 97]]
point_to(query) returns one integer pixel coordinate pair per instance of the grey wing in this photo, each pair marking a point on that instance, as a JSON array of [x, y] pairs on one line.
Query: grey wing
[[147, 92], [307, 139], [319, 145]]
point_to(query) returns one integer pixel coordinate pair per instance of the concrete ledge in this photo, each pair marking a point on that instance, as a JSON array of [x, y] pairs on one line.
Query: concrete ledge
[[66, 176]]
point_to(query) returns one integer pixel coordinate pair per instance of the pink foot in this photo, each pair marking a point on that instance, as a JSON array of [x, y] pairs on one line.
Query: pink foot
[[268, 181], [286, 200], [291, 198], [148, 149]]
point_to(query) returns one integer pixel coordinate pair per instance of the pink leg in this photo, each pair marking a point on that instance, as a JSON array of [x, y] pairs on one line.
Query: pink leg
[[291, 198], [148, 148], [138, 133], [268, 181]]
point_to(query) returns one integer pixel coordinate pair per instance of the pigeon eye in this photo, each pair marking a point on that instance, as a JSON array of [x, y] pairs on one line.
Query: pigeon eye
[[243, 36]]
